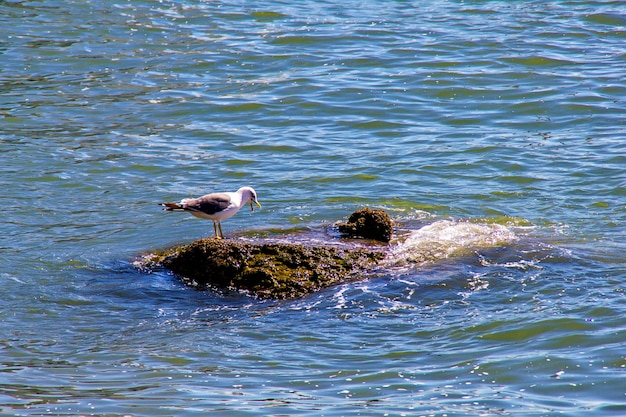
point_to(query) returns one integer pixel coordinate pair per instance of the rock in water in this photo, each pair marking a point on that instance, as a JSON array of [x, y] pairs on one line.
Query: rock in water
[[277, 270], [266, 270], [368, 224]]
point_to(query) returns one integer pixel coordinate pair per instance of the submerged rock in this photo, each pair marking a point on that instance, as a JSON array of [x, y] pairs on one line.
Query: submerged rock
[[368, 224], [266, 270]]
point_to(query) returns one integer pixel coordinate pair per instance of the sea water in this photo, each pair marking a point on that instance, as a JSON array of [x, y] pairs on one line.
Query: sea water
[[492, 132]]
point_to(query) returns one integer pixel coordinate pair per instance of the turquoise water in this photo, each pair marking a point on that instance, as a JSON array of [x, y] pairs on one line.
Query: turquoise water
[[458, 118]]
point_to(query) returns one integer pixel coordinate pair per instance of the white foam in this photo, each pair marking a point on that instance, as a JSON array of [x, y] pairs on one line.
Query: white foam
[[445, 238]]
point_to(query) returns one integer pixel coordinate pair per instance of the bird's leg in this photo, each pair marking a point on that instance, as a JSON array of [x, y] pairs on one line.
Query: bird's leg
[[219, 225], [215, 231]]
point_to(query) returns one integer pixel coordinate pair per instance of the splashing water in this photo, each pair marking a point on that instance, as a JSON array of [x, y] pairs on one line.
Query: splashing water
[[445, 238]]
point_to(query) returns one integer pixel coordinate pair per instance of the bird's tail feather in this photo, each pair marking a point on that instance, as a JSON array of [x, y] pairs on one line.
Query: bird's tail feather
[[171, 206]]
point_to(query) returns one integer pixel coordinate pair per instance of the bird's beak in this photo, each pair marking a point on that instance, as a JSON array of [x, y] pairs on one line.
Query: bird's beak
[[255, 202]]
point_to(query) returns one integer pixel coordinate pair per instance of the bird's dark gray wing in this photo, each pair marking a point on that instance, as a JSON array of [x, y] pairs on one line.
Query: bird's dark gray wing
[[210, 203]]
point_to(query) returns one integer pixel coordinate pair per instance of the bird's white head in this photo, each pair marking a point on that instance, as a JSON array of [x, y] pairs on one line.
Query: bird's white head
[[248, 195]]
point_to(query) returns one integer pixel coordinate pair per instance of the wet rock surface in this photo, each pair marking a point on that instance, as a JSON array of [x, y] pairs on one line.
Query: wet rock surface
[[369, 224], [277, 270], [265, 270]]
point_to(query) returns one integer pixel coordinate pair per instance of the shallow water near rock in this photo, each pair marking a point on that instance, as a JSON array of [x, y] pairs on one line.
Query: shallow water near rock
[[491, 132]]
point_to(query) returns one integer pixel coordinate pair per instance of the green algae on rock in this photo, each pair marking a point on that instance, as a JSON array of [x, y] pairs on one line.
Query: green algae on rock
[[266, 270], [368, 224]]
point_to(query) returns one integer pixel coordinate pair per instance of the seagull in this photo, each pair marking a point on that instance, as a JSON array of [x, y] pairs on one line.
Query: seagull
[[216, 206]]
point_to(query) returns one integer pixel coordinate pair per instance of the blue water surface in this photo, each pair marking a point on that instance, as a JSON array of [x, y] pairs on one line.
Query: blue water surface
[[488, 112]]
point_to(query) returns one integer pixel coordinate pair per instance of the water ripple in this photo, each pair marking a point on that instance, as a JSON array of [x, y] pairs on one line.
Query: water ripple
[[495, 126]]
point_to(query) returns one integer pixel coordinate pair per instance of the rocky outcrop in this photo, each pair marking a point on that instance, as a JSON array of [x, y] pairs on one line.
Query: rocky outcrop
[[268, 268], [276, 270], [265, 270], [369, 224]]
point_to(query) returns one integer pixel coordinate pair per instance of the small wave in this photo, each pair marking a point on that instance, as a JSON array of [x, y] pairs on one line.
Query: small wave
[[446, 238]]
